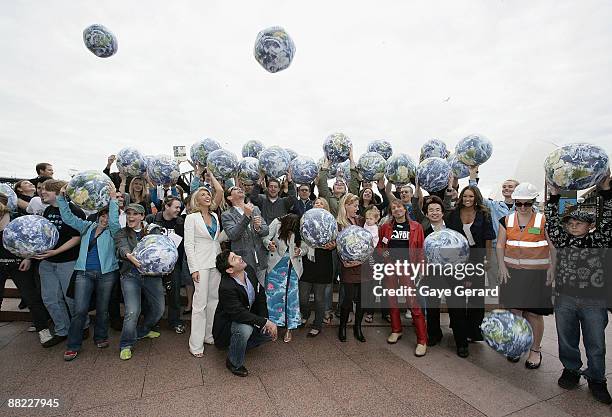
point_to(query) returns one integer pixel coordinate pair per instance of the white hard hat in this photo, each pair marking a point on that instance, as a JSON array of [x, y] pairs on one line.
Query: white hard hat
[[525, 191]]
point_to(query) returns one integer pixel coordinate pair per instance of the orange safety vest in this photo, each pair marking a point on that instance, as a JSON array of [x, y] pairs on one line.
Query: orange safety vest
[[527, 249]]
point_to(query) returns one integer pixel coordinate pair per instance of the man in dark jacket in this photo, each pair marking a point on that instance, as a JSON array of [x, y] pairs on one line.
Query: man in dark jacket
[[240, 318]]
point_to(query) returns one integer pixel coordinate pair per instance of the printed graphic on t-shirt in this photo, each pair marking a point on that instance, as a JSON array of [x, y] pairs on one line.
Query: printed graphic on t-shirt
[[400, 232]]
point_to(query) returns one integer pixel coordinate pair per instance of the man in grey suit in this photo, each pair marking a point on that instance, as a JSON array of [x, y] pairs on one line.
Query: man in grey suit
[[245, 228]]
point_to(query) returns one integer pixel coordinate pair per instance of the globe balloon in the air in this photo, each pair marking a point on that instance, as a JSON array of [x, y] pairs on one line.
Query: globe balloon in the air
[[90, 190], [433, 174], [274, 161], [248, 169], [433, 148], [354, 243], [200, 150], [100, 41], [381, 147], [222, 163], [157, 255], [576, 166], [274, 49], [131, 162], [163, 170], [446, 246], [344, 169], [292, 154], [337, 147], [474, 150], [460, 170], [27, 236], [400, 169], [8, 191], [371, 166], [333, 167], [303, 169], [318, 227], [507, 333], [252, 148]]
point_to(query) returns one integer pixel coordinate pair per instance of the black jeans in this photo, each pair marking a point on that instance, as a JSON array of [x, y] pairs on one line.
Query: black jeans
[[319, 300], [466, 317], [26, 284]]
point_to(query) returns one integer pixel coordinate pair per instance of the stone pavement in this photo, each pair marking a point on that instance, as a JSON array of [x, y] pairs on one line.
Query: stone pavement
[[307, 377]]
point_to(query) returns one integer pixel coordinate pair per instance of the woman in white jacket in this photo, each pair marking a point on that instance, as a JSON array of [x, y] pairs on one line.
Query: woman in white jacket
[[202, 244]]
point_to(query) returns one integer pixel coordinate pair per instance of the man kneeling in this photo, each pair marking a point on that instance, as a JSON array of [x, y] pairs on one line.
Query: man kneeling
[[241, 317]]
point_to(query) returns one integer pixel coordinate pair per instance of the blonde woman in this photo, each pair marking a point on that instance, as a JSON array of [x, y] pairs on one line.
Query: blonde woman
[[202, 245], [138, 191]]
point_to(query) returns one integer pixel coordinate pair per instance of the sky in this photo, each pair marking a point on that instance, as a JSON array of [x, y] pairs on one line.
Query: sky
[[527, 75]]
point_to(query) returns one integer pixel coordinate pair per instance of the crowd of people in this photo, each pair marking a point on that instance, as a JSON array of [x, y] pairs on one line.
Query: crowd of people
[[248, 272]]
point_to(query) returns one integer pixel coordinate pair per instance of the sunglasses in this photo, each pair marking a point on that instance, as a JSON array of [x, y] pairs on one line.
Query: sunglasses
[[519, 204]]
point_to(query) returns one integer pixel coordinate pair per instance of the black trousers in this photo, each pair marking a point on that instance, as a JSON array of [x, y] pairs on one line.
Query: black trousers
[[466, 313], [352, 293], [25, 282]]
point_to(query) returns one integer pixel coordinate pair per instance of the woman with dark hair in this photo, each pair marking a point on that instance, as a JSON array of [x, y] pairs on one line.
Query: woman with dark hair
[[25, 191], [368, 199], [284, 271]]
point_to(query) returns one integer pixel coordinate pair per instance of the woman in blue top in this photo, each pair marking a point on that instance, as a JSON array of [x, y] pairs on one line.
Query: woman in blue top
[[97, 267]]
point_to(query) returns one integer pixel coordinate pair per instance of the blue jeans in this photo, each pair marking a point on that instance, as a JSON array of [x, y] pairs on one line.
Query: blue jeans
[[133, 285], [572, 313], [243, 337], [84, 285]]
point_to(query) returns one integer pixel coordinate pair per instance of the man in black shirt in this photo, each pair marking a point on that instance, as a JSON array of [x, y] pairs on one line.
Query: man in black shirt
[[43, 169]]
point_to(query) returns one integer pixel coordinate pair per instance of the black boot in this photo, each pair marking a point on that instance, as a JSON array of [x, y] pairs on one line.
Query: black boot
[[342, 328], [357, 326]]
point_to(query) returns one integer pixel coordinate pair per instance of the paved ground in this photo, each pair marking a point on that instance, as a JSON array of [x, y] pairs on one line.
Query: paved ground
[[307, 377]]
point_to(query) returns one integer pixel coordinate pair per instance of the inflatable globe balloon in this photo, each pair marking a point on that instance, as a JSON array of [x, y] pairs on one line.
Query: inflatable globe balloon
[[337, 147], [222, 163], [303, 170], [131, 162], [8, 191], [333, 167], [163, 170], [381, 147], [27, 236], [248, 170], [459, 169], [274, 161], [157, 255], [252, 149], [354, 244], [344, 169], [507, 333], [318, 227], [576, 166], [433, 148], [274, 49], [292, 154], [433, 174], [474, 150], [371, 166], [100, 41], [90, 190], [446, 246], [400, 169], [201, 149]]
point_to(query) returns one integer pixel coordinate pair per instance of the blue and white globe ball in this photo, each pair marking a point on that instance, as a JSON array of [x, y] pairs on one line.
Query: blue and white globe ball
[[274, 161], [100, 41], [157, 255], [303, 169], [252, 149], [433, 174], [292, 154], [433, 148], [354, 243], [344, 170], [474, 150], [200, 150], [90, 190], [333, 167], [131, 162], [27, 236], [318, 227], [576, 166], [400, 169], [507, 333], [163, 170], [337, 147], [248, 170], [446, 246], [371, 166], [274, 49], [381, 147], [8, 191], [222, 164], [459, 169]]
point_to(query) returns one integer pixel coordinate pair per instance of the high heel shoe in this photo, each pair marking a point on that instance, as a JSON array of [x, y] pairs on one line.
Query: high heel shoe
[[288, 336], [531, 365]]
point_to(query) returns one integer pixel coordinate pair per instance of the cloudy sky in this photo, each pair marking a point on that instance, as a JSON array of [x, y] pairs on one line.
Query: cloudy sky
[[524, 74]]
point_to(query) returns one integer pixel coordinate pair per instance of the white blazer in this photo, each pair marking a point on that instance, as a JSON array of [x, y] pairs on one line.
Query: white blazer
[[200, 247], [281, 248]]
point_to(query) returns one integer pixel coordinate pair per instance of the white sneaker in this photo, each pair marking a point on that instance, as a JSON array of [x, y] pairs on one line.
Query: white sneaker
[[31, 329], [44, 336], [420, 350], [408, 314]]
